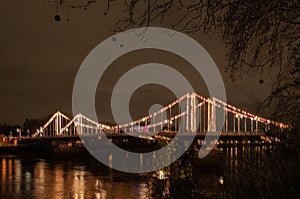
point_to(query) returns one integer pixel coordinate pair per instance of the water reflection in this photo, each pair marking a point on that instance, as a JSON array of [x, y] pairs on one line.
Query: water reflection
[[36, 178], [188, 177], [100, 193], [39, 180]]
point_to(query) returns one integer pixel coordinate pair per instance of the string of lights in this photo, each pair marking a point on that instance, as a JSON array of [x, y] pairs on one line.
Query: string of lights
[[57, 121]]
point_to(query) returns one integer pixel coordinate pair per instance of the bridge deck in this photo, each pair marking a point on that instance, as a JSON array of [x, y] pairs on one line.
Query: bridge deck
[[151, 136]]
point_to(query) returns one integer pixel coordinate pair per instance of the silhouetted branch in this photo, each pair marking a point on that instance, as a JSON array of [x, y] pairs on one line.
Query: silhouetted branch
[[259, 34]]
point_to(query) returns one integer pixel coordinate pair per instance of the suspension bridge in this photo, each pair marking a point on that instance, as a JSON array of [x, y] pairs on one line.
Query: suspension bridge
[[190, 113]]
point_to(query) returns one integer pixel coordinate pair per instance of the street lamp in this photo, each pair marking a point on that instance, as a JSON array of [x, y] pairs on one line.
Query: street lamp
[[19, 130]]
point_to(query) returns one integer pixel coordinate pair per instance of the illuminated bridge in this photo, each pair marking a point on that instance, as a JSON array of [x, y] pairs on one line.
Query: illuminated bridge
[[194, 113]]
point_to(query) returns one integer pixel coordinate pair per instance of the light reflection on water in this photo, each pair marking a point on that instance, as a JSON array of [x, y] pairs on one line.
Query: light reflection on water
[[78, 179], [46, 179]]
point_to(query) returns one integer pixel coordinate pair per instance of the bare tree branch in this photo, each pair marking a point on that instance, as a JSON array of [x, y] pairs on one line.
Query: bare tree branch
[[259, 35]]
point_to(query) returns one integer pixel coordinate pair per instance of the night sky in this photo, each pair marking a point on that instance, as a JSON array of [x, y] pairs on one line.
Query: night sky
[[40, 58]]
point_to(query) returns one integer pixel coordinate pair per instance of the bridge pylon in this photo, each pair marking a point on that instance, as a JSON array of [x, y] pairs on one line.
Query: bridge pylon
[[211, 115], [193, 112]]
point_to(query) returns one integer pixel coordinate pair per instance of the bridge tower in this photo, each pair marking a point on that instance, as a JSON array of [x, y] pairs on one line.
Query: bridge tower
[[211, 115], [193, 111], [187, 128]]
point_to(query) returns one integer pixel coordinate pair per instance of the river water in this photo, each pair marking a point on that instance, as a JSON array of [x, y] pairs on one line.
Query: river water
[[84, 177]]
